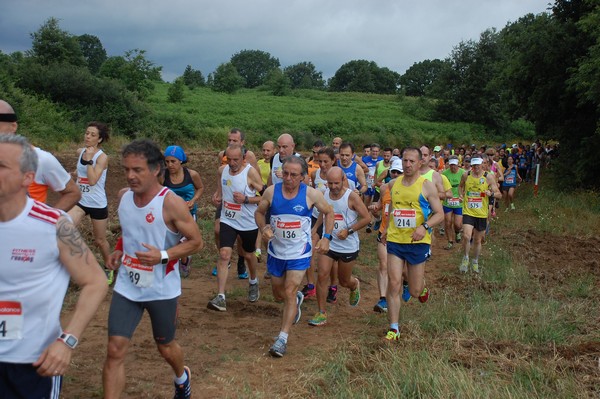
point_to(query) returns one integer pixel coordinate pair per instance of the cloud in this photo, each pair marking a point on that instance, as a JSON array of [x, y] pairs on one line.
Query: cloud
[[395, 34]]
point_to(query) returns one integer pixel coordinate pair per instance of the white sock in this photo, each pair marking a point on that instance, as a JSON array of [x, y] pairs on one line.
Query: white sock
[[254, 281], [222, 296], [283, 336], [182, 379]]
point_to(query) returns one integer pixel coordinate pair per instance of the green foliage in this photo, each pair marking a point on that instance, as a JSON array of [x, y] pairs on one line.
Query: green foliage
[[50, 44], [278, 83], [226, 79], [135, 71], [193, 78], [254, 66], [304, 75], [366, 77], [421, 76], [93, 51], [176, 90]]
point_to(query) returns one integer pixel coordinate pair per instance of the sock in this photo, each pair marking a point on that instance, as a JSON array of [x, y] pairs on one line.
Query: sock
[[222, 296], [476, 261], [283, 336], [333, 287], [394, 326], [182, 379], [381, 297], [253, 281], [466, 257]]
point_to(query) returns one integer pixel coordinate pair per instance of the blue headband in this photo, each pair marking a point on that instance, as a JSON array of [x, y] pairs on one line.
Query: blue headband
[[177, 152]]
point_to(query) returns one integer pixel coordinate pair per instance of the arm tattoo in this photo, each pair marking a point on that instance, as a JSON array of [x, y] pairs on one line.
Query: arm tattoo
[[69, 235]]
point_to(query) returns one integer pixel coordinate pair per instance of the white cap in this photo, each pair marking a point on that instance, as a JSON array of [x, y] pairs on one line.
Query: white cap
[[476, 161], [396, 165], [453, 162]]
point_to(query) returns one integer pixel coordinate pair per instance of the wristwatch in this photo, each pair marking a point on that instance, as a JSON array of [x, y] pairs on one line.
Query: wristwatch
[[164, 257], [350, 231], [424, 224], [84, 162], [69, 339], [328, 236]]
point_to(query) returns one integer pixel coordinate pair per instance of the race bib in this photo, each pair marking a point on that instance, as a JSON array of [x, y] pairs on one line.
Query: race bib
[[386, 210], [454, 202], [232, 211], [11, 320], [84, 184], [140, 275], [288, 230], [339, 223], [475, 203], [509, 179], [405, 218], [370, 180]]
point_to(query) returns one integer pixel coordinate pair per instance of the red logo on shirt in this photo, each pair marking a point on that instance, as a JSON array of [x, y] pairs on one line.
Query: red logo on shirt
[[150, 217], [23, 255]]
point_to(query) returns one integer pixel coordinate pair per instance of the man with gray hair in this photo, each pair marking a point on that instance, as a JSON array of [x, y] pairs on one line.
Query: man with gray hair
[[43, 251], [49, 173]]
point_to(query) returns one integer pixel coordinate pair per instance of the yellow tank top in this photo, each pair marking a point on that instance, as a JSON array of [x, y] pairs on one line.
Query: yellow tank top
[[265, 170], [408, 210], [476, 202]]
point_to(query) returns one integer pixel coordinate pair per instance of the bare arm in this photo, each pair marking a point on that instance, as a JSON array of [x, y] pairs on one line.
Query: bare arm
[[364, 217], [198, 185], [360, 175], [94, 172], [87, 274], [218, 195], [437, 216], [260, 215], [362, 165], [319, 201], [68, 197]]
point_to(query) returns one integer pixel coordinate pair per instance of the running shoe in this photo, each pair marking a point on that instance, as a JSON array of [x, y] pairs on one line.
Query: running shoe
[[392, 335], [184, 391], [319, 319], [253, 292], [458, 237], [369, 228], [332, 294], [512, 207], [405, 293], [278, 348], [184, 266], [217, 303], [258, 254], [464, 265], [299, 300], [110, 276], [243, 276], [377, 225], [475, 267], [241, 269], [381, 306], [309, 292], [449, 246], [442, 231], [424, 295], [355, 294]]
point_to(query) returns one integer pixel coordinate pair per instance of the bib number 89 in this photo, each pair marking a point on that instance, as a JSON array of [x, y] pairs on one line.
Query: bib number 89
[[134, 277]]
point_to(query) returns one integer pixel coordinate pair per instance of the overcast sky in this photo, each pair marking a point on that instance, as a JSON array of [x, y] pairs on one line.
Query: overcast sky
[[393, 33]]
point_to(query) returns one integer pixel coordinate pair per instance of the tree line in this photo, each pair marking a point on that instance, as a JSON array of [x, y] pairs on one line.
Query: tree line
[[541, 70]]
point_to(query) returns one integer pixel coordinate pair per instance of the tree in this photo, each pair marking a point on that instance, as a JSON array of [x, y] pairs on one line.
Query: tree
[[192, 78], [50, 44], [364, 76], [176, 90], [254, 66], [93, 51], [304, 76], [420, 78], [278, 82], [227, 79], [134, 70]]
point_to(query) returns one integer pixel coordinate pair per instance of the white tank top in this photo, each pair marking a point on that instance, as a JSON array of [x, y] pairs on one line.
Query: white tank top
[[321, 185], [344, 217], [91, 196], [277, 164], [33, 283], [238, 216], [137, 282]]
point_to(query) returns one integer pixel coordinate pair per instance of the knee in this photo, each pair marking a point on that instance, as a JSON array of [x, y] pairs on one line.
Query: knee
[[346, 282], [167, 350], [116, 350], [224, 254]]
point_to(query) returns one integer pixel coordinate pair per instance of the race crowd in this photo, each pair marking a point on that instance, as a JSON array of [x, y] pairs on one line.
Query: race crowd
[[304, 212]]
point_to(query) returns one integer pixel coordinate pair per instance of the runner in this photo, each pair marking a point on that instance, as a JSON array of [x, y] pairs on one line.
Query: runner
[[49, 174], [475, 189], [186, 183], [350, 215], [239, 184], [92, 166], [312, 161], [42, 250], [153, 221], [264, 164], [371, 162], [452, 205], [415, 208], [288, 232], [509, 186]]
